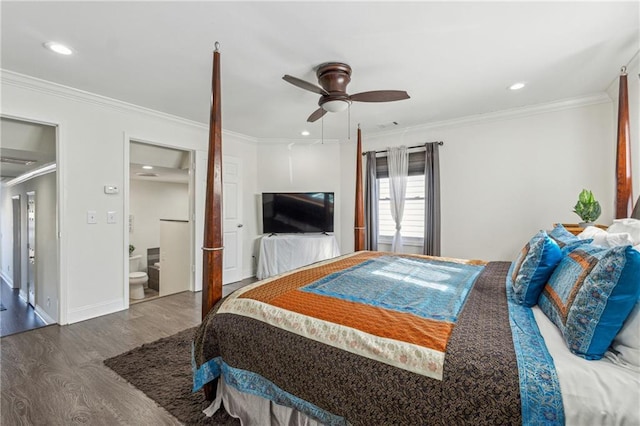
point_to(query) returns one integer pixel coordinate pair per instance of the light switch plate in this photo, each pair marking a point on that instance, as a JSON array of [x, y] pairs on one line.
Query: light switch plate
[[92, 217], [111, 217]]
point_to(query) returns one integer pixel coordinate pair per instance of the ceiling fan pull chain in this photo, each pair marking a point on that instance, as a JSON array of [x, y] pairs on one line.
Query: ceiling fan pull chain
[[322, 129]]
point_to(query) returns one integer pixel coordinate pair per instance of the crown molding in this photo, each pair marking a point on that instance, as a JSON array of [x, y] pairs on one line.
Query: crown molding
[[59, 90], [241, 136], [563, 104], [50, 88], [296, 141], [66, 92]]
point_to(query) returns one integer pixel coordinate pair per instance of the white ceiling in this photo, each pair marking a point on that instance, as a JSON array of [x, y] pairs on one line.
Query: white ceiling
[[168, 164], [25, 141], [454, 59]]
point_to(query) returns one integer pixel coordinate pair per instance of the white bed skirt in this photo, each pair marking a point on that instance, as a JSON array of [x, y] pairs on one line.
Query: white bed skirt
[[255, 410]]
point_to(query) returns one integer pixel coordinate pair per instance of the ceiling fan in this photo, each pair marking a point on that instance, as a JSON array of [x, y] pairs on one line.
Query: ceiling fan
[[333, 78]]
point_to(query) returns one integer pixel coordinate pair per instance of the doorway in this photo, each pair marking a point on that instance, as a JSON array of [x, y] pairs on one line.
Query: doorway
[[31, 248], [17, 241], [160, 208], [30, 265]]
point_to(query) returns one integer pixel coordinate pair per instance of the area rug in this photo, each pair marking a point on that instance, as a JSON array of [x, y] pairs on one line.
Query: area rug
[[162, 370]]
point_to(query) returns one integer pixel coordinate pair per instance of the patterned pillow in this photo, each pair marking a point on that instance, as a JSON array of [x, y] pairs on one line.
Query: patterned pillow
[[533, 267], [590, 294], [565, 239]]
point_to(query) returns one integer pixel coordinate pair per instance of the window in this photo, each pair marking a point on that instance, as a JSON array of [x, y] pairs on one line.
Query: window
[[413, 218]]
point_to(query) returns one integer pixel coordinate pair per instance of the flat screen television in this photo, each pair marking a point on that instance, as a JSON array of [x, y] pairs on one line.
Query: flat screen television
[[297, 212]]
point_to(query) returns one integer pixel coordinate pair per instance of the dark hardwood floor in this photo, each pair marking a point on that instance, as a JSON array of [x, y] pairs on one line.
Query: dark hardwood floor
[[55, 375], [19, 316]]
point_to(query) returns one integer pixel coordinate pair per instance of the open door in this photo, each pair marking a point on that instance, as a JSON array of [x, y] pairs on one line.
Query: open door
[[17, 241], [31, 248]]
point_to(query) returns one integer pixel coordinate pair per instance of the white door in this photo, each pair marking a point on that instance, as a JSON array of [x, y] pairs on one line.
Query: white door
[[17, 242], [232, 219], [31, 248], [175, 253]]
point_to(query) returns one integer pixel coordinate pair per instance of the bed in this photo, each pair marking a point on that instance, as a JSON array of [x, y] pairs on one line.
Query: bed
[[374, 338], [265, 342]]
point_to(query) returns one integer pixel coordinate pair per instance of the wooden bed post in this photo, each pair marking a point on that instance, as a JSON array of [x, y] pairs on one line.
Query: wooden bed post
[[359, 214], [624, 200], [212, 244]]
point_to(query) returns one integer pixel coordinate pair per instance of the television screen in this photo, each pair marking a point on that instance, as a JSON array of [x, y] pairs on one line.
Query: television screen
[[297, 212]]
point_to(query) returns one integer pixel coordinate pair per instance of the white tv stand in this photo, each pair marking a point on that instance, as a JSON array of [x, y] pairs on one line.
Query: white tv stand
[[283, 252]]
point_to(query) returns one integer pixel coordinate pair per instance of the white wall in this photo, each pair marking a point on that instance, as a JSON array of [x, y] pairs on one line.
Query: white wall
[[148, 203], [301, 167], [505, 176], [92, 135], [46, 272]]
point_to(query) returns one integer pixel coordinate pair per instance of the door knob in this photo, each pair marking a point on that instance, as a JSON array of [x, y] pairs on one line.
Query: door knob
[[240, 225]]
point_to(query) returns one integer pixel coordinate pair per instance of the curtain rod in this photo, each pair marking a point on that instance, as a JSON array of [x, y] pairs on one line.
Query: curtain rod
[[409, 147]]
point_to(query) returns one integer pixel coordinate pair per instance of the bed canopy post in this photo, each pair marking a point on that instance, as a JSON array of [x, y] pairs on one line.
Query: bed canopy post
[[624, 200], [359, 213], [212, 244]]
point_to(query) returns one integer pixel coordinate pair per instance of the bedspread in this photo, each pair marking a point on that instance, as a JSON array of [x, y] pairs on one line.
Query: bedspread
[[477, 382]]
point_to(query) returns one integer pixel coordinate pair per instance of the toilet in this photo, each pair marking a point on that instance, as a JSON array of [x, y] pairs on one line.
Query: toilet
[[137, 279]]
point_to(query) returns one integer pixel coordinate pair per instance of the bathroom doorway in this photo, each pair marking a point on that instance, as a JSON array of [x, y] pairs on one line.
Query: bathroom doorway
[[161, 206]]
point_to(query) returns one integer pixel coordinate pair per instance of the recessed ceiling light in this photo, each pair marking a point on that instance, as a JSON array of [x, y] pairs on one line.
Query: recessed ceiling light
[[147, 167], [516, 86], [305, 133], [58, 48]]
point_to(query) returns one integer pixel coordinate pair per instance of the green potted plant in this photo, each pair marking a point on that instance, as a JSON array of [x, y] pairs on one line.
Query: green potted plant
[[587, 208], [131, 249]]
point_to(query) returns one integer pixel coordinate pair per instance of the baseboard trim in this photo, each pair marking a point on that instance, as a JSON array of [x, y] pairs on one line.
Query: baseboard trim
[[92, 311], [6, 279], [43, 315]]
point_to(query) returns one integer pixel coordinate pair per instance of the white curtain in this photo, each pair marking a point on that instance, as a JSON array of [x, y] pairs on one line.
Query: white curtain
[[398, 161]]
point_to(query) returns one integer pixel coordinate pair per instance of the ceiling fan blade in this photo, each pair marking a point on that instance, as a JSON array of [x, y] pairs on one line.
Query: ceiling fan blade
[[380, 96], [316, 115], [305, 85]]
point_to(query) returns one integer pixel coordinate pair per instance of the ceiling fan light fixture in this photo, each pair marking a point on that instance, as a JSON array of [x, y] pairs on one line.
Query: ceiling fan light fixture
[[337, 105]]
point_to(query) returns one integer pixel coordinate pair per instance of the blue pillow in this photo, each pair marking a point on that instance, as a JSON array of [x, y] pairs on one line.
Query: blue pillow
[[533, 267], [590, 294], [565, 239]]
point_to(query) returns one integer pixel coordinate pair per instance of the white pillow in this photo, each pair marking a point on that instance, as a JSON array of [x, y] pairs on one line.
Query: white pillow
[[605, 238], [632, 226], [626, 345]]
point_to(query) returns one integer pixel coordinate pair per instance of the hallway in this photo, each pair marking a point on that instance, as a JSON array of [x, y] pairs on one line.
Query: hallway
[[18, 315]]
